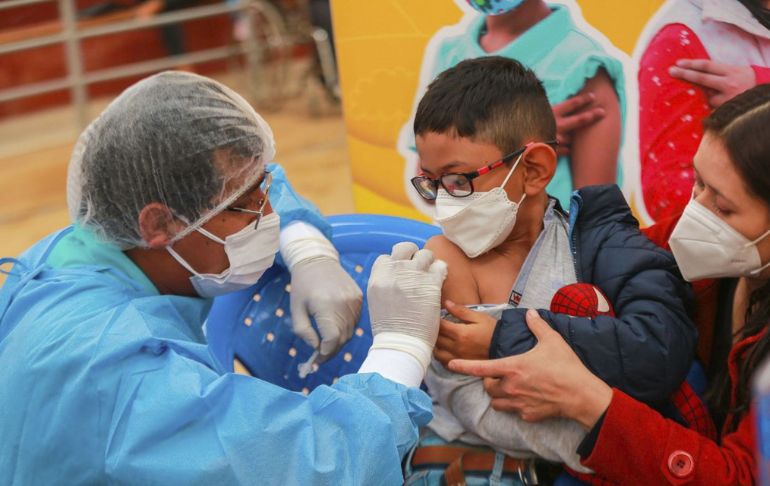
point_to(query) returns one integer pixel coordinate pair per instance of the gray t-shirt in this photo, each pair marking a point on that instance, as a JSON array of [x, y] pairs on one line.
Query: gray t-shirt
[[462, 409]]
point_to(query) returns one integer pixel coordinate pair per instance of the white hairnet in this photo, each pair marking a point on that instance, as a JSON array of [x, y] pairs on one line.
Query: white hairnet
[[175, 138]]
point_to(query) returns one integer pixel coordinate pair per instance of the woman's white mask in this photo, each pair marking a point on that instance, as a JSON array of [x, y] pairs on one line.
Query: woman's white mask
[[704, 246], [479, 222], [250, 251]]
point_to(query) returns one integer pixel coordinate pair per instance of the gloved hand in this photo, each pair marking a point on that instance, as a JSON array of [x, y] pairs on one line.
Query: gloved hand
[[321, 288], [405, 301]]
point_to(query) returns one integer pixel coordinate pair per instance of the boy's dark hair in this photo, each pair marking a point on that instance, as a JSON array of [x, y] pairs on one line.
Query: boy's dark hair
[[489, 99]]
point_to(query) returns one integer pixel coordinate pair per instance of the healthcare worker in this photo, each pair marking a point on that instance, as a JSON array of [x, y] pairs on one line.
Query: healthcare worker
[[105, 376]]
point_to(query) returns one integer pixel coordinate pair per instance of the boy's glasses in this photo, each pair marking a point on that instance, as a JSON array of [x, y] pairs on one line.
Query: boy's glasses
[[268, 181], [461, 185]]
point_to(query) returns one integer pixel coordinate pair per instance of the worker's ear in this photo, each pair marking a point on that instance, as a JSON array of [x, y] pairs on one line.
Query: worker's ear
[[539, 161], [157, 225]]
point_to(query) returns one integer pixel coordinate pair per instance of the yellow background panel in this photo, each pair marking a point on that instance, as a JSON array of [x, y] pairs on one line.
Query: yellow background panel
[[381, 45]]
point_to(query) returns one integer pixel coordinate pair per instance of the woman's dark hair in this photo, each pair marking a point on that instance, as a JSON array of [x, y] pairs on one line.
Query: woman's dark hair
[[759, 11], [743, 125]]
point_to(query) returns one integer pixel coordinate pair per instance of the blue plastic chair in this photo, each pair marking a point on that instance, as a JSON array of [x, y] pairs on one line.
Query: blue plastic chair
[[254, 325]]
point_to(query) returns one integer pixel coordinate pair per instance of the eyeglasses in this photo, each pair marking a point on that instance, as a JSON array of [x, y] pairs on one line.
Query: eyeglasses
[[461, 184], [268, 180]]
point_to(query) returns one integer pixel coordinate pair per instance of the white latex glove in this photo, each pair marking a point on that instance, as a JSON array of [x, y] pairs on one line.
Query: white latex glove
[[321, 288], [405, 301]]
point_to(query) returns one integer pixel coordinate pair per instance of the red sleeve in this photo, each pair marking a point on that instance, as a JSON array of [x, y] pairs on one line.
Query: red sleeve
[[762, 74], [660, 232], [670, 116], [636, 443]]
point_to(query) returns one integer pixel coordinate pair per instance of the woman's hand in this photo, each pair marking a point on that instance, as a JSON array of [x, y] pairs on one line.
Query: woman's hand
[[721, 81], [547, 381], [466, 341]]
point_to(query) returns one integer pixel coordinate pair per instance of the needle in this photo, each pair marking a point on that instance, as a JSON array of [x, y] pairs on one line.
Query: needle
[[308, 366]]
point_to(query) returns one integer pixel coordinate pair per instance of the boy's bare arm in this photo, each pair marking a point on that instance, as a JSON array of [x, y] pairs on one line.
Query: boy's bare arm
[[459, 286], [469, 340], [595, 147]]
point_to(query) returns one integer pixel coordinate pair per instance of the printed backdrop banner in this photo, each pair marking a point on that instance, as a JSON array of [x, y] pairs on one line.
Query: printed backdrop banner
[[388, 51]]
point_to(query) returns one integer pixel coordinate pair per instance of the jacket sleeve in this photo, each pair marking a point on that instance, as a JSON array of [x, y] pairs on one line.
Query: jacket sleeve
[[636, 443], [290, 206], [647, 349], [706, 291], [660, 232], [176, 421]]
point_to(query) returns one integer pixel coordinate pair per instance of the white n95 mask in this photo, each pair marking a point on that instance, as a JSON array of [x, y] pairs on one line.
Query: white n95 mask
[[250, 251], [704, 246], [479, 222]]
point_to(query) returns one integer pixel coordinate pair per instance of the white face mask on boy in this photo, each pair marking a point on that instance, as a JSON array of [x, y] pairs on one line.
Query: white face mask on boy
[[250, 251], [479, 222], [704, 246]]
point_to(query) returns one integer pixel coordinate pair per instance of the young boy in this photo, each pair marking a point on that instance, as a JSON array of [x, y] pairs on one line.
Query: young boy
[[484, 133], [569, 61]]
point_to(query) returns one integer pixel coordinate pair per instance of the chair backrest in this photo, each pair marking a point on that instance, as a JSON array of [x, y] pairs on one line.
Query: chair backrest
[[254, 325]]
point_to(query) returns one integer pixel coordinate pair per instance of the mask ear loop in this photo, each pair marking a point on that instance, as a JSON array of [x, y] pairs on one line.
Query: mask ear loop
[[210, 235], [760, 269], [182, 261], [510, 172], [752, 243]]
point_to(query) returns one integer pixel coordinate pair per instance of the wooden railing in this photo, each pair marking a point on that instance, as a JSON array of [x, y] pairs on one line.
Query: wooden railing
[[70, 31]]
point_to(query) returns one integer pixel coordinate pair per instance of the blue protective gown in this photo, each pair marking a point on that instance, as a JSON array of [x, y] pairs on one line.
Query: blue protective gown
[[103, 380]]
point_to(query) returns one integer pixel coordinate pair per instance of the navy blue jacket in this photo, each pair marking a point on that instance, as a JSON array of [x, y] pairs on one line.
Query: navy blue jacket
[[647, 349]]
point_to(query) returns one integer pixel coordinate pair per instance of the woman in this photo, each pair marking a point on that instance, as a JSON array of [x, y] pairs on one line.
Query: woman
[[722, 233], [699, 54]]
